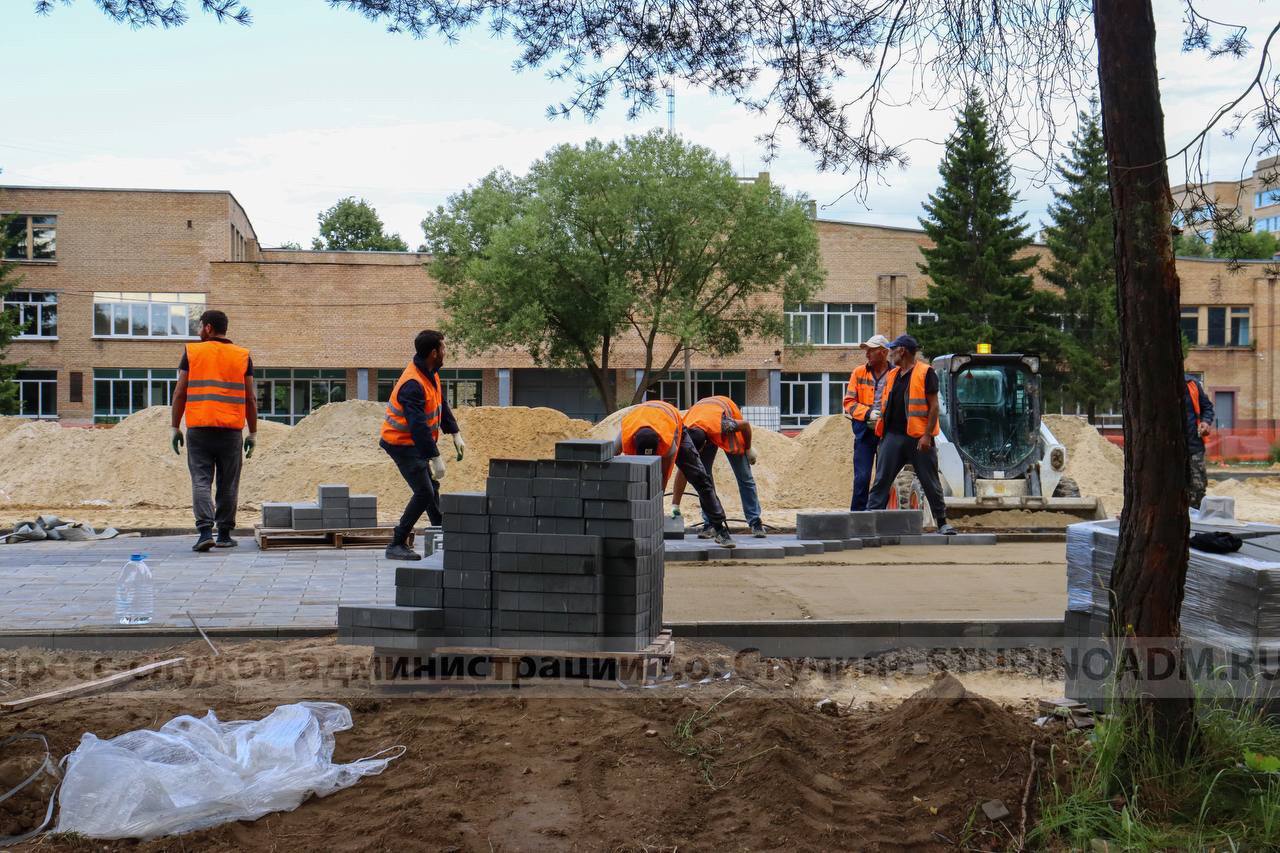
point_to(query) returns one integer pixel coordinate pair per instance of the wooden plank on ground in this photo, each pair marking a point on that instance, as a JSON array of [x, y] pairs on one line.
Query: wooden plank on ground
[[86, 687]]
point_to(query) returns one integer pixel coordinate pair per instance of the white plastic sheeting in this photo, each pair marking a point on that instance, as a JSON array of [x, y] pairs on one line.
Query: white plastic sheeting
[[200, 772]]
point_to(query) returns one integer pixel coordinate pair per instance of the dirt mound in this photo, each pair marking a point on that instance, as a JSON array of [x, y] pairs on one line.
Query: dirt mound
[[338, 443], [126, 465], [1094, 463], [9, 423]]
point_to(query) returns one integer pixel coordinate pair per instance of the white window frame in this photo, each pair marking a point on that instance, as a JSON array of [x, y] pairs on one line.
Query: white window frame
[[1234, 313], [139, 311], [294, 379], [830, 386], [28, 305], [855, 322], [45, 388]]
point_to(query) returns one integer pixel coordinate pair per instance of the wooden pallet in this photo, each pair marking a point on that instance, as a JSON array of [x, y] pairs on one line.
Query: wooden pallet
[[348, 537], [448, 666]]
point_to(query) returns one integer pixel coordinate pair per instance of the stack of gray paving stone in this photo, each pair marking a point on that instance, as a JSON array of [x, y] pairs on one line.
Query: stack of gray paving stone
[[563, 554], [334, 508]]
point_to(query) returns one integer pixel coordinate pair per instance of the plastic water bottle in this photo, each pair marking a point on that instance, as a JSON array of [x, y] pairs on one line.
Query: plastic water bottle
[[135, 592]]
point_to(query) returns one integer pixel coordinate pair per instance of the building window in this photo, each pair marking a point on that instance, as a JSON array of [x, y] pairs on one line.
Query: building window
[[288, 395], [37, 393], [461, 387], [1190, 324], [1266, 198], [147, 315], [119, 392], [919, 318], [1216, 327], [30, 237], [706, 383], [36, 312], [1240, 327], [830, 323], [809, 396]]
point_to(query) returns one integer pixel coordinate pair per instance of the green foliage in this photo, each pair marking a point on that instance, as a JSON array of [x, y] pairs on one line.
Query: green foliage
[[290, 244], [1223, 794], [1242, 245], [979, 287], [1081, 243], [8, 328], [650, 242], [353, 225]]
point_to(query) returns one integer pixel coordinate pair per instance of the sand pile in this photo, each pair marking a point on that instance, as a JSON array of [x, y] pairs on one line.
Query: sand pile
[[1257, 499], [8, 423], [1094, 463], [129, 464], [339, 444]]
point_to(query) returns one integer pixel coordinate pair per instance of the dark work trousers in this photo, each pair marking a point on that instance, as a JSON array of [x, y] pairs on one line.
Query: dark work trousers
[[865, 442], [426, 491], [690, 464], [741, 472], [214, 456], [897, 451]]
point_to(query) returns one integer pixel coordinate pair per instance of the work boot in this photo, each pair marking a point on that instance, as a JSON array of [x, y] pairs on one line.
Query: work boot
[[707, 532], [397, 551], [946, 529], [722, 537], [204, 541], [757, 530], [224, 540]]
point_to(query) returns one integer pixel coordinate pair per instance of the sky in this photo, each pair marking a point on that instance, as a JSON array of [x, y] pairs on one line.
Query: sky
[[311, 104]]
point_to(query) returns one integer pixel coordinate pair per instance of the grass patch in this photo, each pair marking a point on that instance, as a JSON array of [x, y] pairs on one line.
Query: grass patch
[[1224, 794], [696, 739]]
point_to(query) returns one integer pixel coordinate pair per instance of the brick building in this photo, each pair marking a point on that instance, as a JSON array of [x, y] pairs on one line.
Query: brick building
[[113, 280]]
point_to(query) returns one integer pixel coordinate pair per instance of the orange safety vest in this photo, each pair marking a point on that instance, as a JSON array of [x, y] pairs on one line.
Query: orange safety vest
[[860, 395], [1195, 396], [664, 419], [215, 385], [395, 424], [917, 401], [709, 415]]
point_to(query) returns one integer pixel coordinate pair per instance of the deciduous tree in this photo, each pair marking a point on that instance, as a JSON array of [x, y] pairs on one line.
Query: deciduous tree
[[352, 225]]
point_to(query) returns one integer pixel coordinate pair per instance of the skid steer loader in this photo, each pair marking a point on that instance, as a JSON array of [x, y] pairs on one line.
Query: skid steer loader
[[994, 452]]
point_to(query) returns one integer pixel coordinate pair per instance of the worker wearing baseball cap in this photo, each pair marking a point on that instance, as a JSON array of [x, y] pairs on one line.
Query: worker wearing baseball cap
[[862, 406], [906, 430]]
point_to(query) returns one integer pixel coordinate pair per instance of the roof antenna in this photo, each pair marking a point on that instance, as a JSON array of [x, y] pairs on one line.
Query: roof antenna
[[671, 110]]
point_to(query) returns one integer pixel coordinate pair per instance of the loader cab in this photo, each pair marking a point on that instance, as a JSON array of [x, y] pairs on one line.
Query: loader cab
[[990, 410]]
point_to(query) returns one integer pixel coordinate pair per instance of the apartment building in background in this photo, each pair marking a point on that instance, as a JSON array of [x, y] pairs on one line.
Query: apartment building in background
[[113, 282], [1254, 198]]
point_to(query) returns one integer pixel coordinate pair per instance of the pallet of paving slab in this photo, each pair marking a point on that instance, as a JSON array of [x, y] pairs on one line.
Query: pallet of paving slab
[[451, 666], [339, 537]]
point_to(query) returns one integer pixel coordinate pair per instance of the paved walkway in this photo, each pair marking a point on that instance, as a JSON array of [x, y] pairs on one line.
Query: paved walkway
[[65, 586]]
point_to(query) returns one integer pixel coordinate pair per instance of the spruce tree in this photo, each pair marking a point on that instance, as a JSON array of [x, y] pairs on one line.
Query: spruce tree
[[1081, 241], [979, 284]]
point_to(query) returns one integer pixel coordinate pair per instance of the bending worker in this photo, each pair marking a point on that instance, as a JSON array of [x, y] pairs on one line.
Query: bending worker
[[655, 428], [1197, 416], [863, 405], [906, 430], [416, 412], [215, 394], [716, 423]]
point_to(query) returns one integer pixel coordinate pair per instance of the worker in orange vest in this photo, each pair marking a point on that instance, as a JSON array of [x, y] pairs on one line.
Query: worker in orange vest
[[416, 413], [655, 428], [1198, 417], [863, 406], [906, 430], [714, 424], [215, 394]]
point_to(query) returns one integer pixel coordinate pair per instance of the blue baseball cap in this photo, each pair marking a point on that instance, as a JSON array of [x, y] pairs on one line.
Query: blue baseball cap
[[906, 342]]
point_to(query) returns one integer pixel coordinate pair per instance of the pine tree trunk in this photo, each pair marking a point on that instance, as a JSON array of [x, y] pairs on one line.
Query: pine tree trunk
[[1091, 412], [1151, 565]]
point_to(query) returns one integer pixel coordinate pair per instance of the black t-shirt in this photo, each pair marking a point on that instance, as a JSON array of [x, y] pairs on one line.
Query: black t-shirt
[[182, 365], [895, 410]]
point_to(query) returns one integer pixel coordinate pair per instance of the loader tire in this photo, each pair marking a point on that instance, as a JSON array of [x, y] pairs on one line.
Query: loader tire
[[1066, 488]]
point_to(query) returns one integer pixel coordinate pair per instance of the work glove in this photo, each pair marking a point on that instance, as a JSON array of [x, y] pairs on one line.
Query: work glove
[[751, 456], [873, 416], [675, 512], [250, 442], [437, 468], [459, 445], [175, 440]]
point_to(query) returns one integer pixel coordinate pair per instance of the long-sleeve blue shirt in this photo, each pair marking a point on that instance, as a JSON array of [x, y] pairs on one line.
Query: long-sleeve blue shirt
[[1195, 444], [413, 401]]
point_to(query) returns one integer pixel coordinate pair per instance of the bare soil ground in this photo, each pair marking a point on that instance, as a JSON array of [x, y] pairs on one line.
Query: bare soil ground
[[742, 763]]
